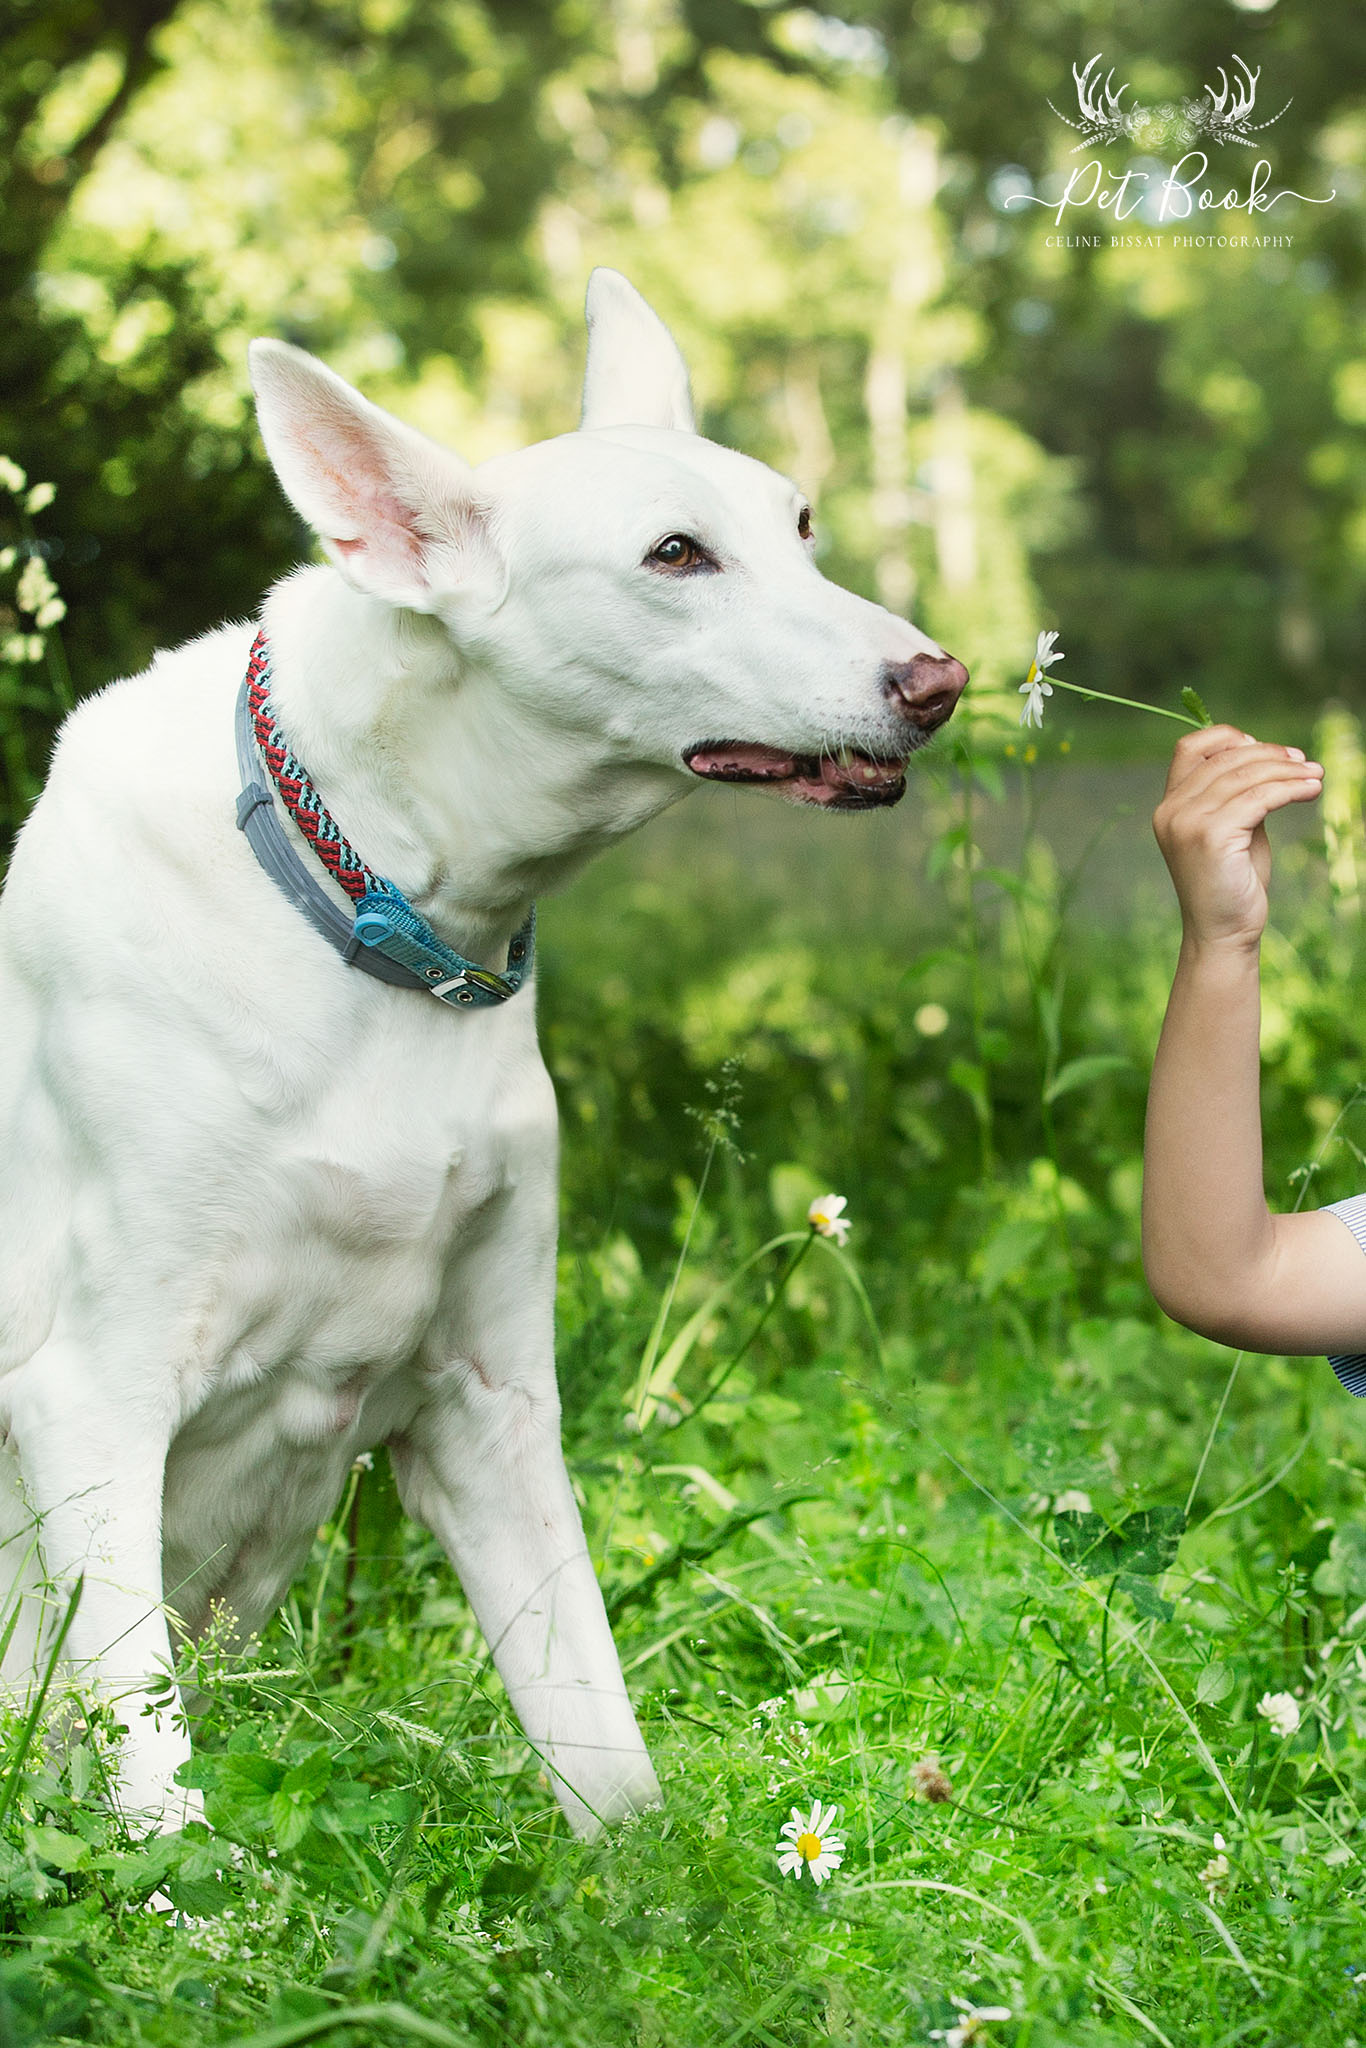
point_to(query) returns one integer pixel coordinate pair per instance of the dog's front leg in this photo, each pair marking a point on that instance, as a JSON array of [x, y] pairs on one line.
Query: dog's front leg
[[91, 1451], [482, 1467]]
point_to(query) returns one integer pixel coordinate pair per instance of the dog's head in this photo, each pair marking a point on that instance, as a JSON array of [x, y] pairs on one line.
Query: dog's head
[[631, 583]]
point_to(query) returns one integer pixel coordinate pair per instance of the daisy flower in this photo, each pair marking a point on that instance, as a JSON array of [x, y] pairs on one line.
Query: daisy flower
[[826, 1217], [1282, 1710], [973, 2020], [1034, 689], [1216, 1871], [808, 1843]]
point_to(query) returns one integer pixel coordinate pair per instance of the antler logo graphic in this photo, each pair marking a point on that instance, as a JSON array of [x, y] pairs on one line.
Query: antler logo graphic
[[1225, 118], [1102, 119], [1222, 115]]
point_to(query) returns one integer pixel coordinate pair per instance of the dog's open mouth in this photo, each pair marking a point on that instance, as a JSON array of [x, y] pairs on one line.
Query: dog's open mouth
[[844, 781]]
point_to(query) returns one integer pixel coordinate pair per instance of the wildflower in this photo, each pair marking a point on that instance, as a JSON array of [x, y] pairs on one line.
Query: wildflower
[[12, 478], [826, 1217], [364, 1461], [35, 586], [931, 1781], [1281, 1709], [40, 497], [1033, 710], [1034, 689], [1216, 1871], [808, 1844], [1072, 1502], [972, 2021], [1044, 656]]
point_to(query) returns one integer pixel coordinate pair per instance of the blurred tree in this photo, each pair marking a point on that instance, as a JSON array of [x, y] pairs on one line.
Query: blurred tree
[[1199, 394], [43, 44], [821, 206], [179, 176]]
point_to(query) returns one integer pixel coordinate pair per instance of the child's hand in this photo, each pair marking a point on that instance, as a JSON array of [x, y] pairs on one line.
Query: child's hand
[[1211, 827]]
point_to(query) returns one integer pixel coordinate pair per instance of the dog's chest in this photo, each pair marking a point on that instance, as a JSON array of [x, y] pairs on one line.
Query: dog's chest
[[365, 1197], [314, 1332]]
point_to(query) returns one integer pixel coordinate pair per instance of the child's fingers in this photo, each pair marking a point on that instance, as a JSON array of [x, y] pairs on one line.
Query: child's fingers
[[1240, 793], [1194, 749], [1248, 760], [1244, 785], [1248, 806], [1193, 766], [1293, 793], [1226, 776]]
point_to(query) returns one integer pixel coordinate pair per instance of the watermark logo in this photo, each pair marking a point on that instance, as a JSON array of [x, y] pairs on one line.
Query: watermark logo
[[1224, 116], [1170, 182]]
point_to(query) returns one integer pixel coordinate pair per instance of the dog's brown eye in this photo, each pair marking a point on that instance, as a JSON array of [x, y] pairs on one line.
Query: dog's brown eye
[[678, 551], [804, 523]]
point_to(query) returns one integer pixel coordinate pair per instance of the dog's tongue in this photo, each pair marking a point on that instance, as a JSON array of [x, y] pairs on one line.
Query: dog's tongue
[[851, 783], [742, 763]]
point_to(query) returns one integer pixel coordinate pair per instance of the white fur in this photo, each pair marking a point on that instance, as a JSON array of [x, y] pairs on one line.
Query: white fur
[[260, 1211]]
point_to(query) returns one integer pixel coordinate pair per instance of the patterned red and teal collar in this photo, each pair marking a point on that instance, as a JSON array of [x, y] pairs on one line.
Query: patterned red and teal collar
[[386, 937]]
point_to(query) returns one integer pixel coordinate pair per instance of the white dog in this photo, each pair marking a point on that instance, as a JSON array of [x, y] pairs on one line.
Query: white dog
[[260, 1210]]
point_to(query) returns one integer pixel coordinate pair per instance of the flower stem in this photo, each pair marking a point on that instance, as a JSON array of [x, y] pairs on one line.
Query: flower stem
[[779, 1290], [1130, 703]]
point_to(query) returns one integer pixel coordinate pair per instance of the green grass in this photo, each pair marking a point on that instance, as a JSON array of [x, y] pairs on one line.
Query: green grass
[[386, 1864]]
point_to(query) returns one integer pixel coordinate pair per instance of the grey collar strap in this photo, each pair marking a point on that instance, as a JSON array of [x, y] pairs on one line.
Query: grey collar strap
[[388, 937]]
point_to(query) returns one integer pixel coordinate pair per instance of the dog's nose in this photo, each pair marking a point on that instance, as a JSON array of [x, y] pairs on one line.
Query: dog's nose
[[925, 688]]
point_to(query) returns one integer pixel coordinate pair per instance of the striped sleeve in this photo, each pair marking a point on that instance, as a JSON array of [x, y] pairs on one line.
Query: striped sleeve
[[1351, 1370]]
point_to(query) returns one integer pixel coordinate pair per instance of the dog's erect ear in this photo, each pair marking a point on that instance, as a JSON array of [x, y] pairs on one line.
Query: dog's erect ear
[[397, 514], [635, 375]]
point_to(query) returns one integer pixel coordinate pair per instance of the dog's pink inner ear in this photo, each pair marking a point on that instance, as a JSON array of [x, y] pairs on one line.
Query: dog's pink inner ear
[[366, 514], [396, 542]]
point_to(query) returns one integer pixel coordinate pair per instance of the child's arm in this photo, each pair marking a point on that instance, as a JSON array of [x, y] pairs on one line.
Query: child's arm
[[1215, 1257]]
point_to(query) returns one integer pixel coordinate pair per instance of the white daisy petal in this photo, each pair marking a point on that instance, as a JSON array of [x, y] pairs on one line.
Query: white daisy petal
[[808, 1843], [1282, 1710], [1034, 694], [826, 1217]]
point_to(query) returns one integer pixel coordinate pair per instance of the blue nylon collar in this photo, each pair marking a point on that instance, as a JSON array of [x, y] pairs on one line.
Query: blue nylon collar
[[387, 937]]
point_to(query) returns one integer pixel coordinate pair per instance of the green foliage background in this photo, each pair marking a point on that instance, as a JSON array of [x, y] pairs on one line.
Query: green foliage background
[[1165, 452], [968, 1496]]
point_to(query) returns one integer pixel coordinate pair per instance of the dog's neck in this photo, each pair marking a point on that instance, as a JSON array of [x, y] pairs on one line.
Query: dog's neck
[[443, 781]]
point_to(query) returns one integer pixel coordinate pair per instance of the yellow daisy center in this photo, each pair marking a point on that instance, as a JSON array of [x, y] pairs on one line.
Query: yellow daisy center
[[809, 1847], [1033, 675]]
